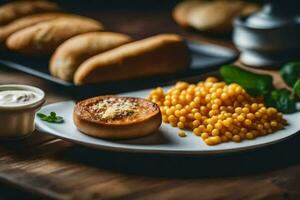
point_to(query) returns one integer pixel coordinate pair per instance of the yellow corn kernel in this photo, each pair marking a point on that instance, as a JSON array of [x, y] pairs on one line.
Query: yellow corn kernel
[[236, 138], [216, 111]]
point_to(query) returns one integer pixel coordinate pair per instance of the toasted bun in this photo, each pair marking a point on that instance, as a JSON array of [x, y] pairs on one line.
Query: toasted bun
[[114, 117]]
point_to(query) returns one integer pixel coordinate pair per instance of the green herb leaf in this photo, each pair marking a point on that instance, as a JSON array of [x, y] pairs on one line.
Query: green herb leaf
[[52, 118], [262, 85], [282, 100], [254, 84], [59, 119], [290, 73], [41, 115], [296, 89]]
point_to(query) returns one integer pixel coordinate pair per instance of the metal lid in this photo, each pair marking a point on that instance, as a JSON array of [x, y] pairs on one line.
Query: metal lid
[[274, 14]]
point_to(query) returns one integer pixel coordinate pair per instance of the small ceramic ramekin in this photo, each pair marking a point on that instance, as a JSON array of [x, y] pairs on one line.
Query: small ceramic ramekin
[[18, 121]]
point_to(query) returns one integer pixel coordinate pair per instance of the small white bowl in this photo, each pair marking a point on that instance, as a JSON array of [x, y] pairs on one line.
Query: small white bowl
[[18, 121]]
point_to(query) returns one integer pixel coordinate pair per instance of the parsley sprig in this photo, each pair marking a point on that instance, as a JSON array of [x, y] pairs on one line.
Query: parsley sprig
[[52, 118]]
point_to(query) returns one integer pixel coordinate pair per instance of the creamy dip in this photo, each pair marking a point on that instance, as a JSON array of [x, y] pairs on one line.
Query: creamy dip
[[12, 98]]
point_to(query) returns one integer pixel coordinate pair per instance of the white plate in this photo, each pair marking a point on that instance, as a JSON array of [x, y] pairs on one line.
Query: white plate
[[165, 140]]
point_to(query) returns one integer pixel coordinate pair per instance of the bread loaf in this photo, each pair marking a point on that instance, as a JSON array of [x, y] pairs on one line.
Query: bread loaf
[[69, 55], [211, 16], [204, 18], [161, 54], [182, 9], [25, 22], [45, 37], [18, 9]]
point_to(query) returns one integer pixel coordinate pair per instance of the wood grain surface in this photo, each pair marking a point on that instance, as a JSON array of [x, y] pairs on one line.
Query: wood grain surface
[[56, 169], [51, 168]]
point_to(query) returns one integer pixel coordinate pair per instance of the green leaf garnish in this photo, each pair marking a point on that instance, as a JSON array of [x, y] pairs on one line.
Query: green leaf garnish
[[41, 115], [254, 84], [281, 99], [52, 118], [262, 85], [296, 89], [290, 72]]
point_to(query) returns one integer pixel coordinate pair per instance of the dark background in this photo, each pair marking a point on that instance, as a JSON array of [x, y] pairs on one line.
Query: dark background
[[99, 5]]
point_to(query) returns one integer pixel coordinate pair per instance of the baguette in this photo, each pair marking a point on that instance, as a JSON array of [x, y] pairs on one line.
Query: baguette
[[70, 54], [24, 22], [15, 10], [161, 54], [45, 37]]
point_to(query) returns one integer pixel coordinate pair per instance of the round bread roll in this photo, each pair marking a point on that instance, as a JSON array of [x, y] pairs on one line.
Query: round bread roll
[[24, 22], [18, 9], [204, 18], [160, 54], [201, 14], [45, 37], [70, 54], [113, 117], [182, 9]]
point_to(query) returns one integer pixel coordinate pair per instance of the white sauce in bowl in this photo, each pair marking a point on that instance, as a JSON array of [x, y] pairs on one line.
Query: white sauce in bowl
[[11, 98], [18, 106]]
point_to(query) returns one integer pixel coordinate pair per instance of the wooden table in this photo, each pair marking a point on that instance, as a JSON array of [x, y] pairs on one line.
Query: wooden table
[[48, 167]]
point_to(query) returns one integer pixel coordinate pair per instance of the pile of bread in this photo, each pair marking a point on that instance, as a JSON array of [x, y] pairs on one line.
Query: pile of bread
[[80, 49], [213, 16]]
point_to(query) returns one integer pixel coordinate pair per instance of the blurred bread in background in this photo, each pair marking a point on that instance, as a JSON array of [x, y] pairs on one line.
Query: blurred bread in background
[[156, 55], [45, 37], [211, 16], [182, 9], [14, 10], [24, 22], [80, 52], [70, 54]]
